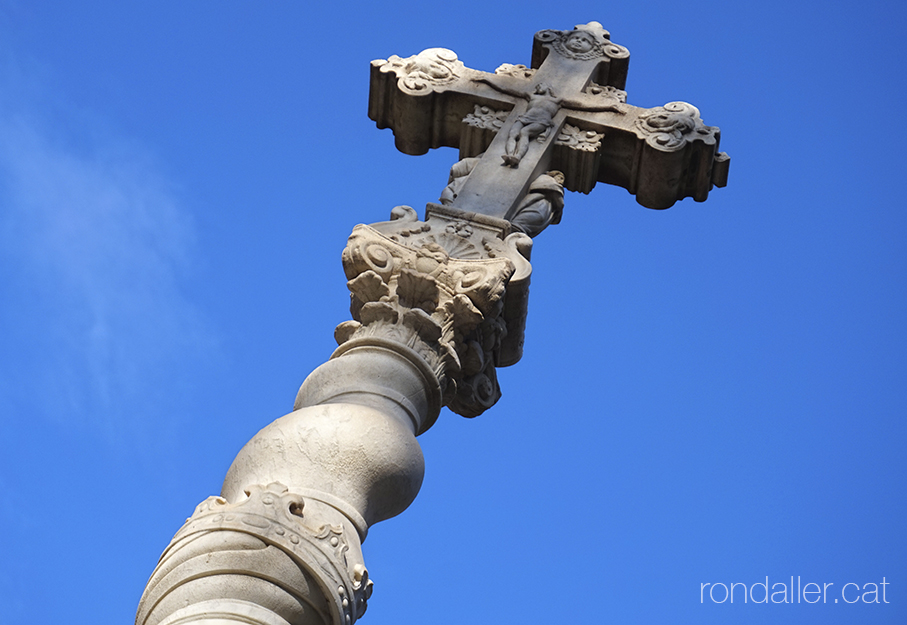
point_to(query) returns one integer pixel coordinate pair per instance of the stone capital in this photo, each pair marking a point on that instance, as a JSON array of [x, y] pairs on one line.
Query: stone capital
[[450, 290]]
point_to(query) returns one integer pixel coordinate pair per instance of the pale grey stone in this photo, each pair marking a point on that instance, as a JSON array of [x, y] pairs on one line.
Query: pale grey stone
[[436, 305], [516, 118]]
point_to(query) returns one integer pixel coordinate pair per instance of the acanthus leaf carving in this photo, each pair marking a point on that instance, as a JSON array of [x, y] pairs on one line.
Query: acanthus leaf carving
[[368, 287], [437, 288]]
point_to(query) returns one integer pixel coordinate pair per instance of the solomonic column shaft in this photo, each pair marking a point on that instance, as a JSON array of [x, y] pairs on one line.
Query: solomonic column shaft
[[436, 306]]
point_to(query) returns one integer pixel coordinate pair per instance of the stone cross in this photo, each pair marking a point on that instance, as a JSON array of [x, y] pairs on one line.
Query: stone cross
[[436, 306], [566, 112]]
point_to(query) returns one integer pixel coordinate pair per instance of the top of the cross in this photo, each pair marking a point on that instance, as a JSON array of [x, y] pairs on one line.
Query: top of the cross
[[586, 42]]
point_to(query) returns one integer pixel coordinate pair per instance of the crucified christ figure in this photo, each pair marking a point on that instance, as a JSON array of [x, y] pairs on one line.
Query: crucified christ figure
[[538, 117]]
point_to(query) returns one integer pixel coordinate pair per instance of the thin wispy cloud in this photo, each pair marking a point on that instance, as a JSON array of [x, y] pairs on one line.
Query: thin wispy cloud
[[96, 257]]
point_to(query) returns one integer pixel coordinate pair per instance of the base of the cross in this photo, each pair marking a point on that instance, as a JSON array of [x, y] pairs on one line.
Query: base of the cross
[[436, 306], [443, 216]]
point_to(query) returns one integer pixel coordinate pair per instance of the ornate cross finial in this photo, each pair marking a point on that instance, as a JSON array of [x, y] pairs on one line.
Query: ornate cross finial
[[524, 135], [567, 112]]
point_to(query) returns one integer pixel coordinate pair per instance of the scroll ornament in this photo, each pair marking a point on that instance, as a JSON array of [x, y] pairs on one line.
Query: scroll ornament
[[670, 127], [422, 72], [436, 288]]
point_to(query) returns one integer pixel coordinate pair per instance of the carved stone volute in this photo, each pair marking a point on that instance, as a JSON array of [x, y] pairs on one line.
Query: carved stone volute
[[438, 289]]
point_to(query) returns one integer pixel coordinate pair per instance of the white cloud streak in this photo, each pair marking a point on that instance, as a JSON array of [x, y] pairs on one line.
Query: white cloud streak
[[95, 254]]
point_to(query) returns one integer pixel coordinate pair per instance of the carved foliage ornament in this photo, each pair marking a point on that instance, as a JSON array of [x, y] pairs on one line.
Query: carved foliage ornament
[[670, 127], [486, 118], [579, 139], [438, 289], [420, 73], [608, 91]]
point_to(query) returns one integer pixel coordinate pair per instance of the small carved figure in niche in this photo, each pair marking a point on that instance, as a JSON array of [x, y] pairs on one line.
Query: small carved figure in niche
[[458, 173], [538, 118], [542, 206]]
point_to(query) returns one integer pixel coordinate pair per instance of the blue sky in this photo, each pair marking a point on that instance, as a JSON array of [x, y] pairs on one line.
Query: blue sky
[[710, 394]]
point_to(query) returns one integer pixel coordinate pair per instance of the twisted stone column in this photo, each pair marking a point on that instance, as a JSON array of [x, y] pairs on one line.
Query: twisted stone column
[[436, 306]]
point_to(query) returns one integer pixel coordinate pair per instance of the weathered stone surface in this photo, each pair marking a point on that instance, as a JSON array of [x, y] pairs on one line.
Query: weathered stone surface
[[271, 557], [440, 287], [566, 112], [437, 305]]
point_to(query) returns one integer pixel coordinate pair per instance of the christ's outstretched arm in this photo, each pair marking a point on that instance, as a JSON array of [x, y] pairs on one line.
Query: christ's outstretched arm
[[517, 93], [614, 107]]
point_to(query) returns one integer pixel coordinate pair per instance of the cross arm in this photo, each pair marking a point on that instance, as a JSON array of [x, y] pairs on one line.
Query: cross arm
[[424, 98], [660, 154]]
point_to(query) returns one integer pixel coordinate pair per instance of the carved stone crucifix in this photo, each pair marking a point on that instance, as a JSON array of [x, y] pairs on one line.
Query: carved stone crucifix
[[437, 305], [567, 112]]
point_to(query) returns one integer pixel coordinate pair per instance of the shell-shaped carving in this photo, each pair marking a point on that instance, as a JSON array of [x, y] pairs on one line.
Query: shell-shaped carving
[[455, 245], [417, 290], [368, 287]]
